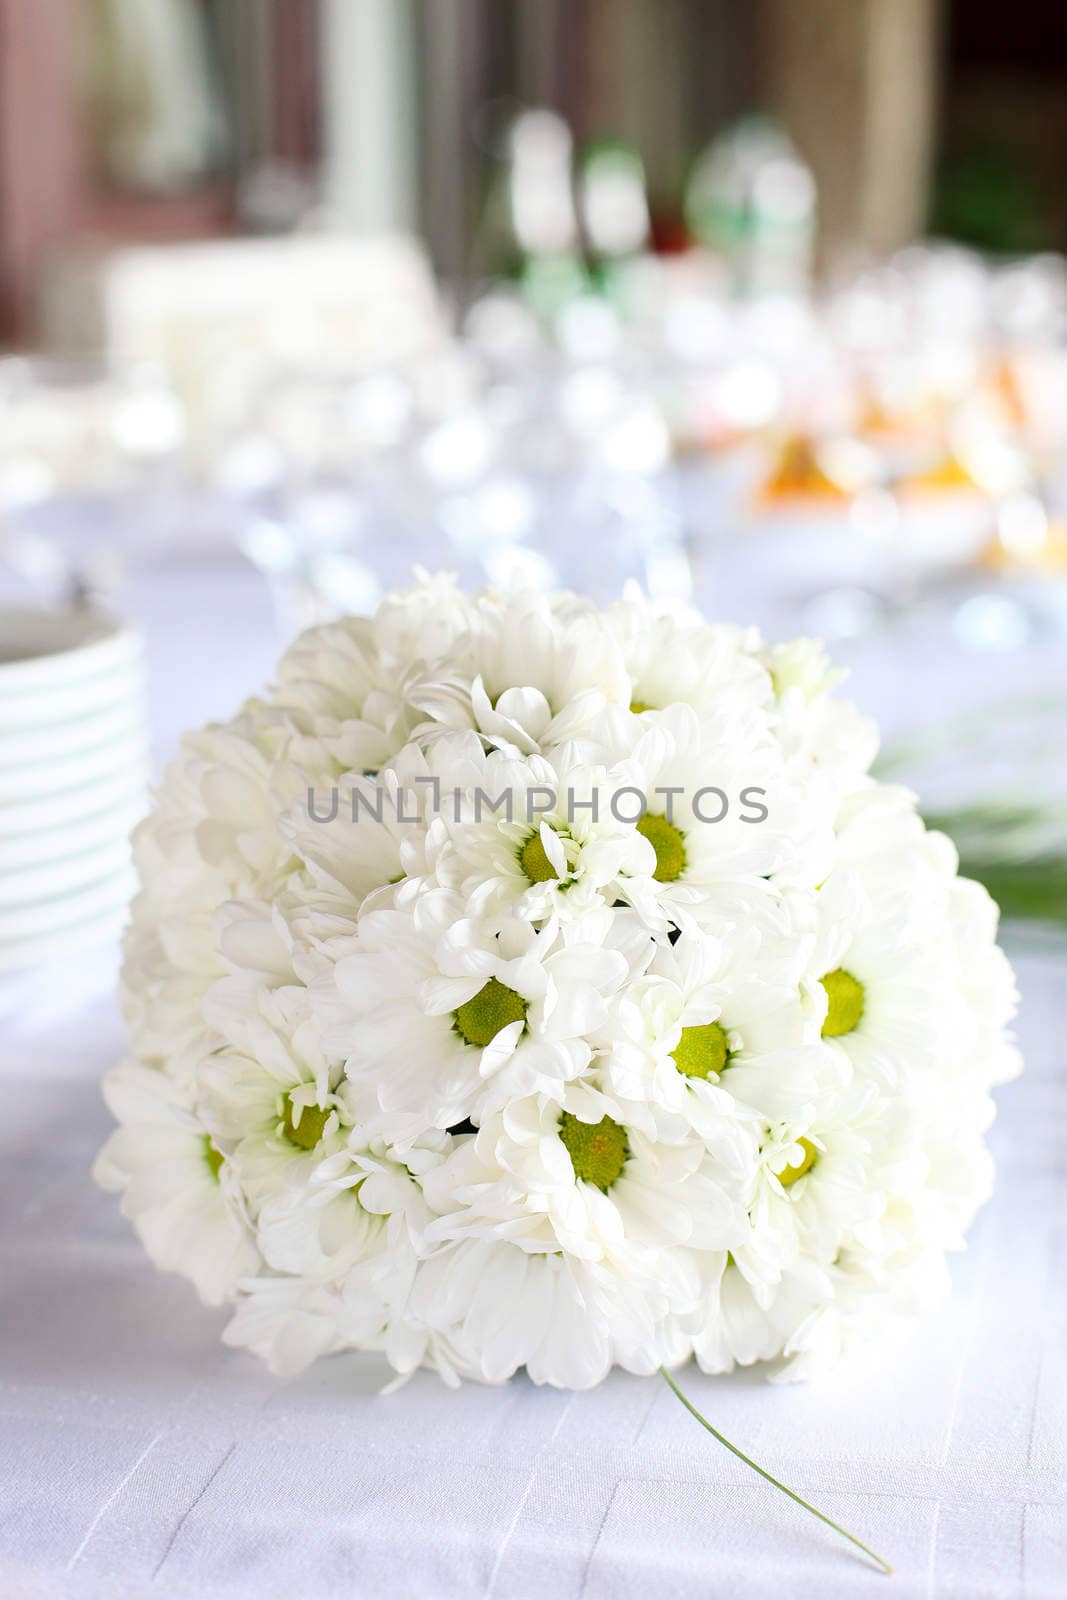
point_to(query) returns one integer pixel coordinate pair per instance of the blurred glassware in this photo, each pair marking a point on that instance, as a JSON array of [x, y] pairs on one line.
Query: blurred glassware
[[751, 198], [300, 475], [607, 414], [1015, 589], [558, 473], [90, 459], [323, 482]]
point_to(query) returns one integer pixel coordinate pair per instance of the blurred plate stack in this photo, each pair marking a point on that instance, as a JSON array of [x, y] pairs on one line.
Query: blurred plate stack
[[73, 779]]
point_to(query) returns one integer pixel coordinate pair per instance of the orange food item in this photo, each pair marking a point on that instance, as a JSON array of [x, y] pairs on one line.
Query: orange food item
[[946, 476], [797, 475]]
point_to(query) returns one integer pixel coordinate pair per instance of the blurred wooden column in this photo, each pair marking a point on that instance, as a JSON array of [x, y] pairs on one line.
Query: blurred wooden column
[[369, 114], [41, 174], [665, 74], [855, 82], [540, 29], [452, 48], [638, 81], [295, 81]]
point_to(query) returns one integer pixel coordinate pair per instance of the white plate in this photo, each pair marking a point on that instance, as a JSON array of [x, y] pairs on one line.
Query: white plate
[[71, 807], [62, 877], [65, 701], [114, 723], [53, 844], [40, 650], [104, 928], [113, 757], [110, 893]]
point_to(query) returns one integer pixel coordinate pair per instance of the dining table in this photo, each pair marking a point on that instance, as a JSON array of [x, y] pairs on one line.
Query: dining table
[[141, 1457]]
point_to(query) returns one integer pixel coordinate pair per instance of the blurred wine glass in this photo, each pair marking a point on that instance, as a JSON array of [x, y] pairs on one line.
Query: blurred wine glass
[[321, 478], [90, 459]]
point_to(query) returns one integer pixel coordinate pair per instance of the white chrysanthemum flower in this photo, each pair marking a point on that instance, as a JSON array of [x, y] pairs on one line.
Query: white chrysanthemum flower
[[175, 1185], [586, 1219], [987, 984], [338, 684], [530, 678], [424, 623], [269, 1097], [471, 1015], [342, 1248], [801, 667], [351, 839], [288, 1322], [573, 1174], [214, 836], [822, 1185], [733, 1327], [169, 963], [880, 987], [717, 1021], [678, 660], [536, 840], [720, 824], [566, 1321], [589, 1077]]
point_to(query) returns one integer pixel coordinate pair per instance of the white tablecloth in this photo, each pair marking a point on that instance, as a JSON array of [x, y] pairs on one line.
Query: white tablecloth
[[139, 1457]]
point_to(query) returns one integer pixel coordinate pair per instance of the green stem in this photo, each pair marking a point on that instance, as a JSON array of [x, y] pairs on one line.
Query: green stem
[[883, 1566]]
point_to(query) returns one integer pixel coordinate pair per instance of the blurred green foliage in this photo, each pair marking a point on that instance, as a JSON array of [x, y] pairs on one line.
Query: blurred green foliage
[[986, 197]]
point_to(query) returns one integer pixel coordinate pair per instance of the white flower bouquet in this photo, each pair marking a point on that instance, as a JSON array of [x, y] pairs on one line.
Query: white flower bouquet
[[527, 985]]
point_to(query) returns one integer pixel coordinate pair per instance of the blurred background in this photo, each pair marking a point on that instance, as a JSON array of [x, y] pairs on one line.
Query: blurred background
[[759, 305], [177, 119]]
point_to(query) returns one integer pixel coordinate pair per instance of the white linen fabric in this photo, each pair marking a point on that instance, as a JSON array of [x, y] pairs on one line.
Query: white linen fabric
[[139, 1457]]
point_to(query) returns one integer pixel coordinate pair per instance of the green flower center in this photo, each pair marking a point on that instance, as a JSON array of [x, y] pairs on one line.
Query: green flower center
[[598, 1150], [845, 994], [495, 1006], [533, 859], [637, 706], [701, 1050], [213, 1156], [304, 1125], [789, 1175], [669, 845]]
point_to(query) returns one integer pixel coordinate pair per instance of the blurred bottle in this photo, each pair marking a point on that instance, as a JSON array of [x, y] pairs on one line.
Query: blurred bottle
[[614, 206], [539, 182], [529, 228], [751, 199]]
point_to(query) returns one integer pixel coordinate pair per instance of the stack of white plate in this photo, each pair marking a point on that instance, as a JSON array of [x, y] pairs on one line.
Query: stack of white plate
[[73, 779]]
